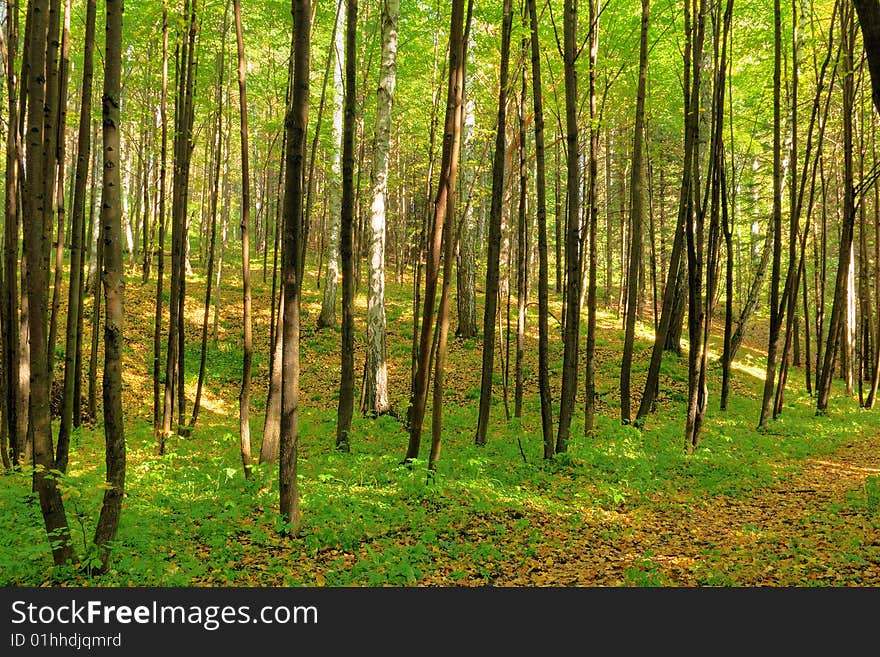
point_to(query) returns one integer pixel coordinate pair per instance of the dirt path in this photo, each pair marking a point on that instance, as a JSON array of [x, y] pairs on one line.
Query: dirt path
[[804, 531]]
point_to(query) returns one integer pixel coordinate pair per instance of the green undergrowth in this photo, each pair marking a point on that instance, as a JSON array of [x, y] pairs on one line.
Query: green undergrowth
[[190, 516]]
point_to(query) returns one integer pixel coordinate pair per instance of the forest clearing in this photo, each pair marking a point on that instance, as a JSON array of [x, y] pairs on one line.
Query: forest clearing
[[448, 294]]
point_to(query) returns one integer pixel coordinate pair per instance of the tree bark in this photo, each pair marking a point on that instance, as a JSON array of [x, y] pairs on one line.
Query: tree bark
[[375, 400], [636, 218], [571, 337], [36, 250], [74, 297], [296, 125], [345, 407], [114, 287], [244, 395], [493, 260]]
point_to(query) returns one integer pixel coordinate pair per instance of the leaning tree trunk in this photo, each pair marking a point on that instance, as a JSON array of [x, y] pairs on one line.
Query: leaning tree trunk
[[375, 401], [212, 240], [838, 308], [451, 127]]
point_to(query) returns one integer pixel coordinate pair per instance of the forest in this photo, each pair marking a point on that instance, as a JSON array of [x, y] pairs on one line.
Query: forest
[[440, 293]]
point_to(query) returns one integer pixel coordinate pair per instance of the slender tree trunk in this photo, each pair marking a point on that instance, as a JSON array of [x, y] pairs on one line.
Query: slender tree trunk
[[571, 336], [36, 249], [74, 298], [522, 238], [446, 185], [345, 407], [49, 157], [541, 209], [493, 260], [375, 400], [11, 229], [244, 395], [158, 430], [114, 426], [839, 306], [296, 125], [776, 313], [212, 239], [636, 218], [327, 318], [593, 221]]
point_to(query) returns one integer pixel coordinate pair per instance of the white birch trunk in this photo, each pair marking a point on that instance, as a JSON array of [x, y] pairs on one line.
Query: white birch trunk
[[375, 397], [331, 280]]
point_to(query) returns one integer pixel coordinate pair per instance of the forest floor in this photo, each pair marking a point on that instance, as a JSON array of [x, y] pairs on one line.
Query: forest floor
[[796, 504]]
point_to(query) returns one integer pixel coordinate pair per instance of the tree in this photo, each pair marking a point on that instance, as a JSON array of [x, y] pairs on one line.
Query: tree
[[541, 210], [296, 124], [114, 288], [443, 203], [345, 408], [571, 336], [37, 228], [248, 347], [375, 401], [490, 309], [636, 212], [78, 219]]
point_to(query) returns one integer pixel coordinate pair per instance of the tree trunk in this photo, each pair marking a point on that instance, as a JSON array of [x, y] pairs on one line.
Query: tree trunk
[[327, 318], [114, 287], [446, 184], [636, 218], [345, 408], [493, 260], [244, 395], [212, 239], [776, 313], [74, 298], [375, 401], [36, 250], [839, 306], [571, 337], [296, 125], [541, 209], [158, 430], [11, 229]]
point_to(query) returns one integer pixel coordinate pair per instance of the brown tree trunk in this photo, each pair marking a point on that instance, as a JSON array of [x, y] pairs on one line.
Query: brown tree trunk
[[571, 336], [36, 249], [541, 209], [74, 297], [636, 218], [452, 127], [345, 407], [244, 395], [158, 426], [296, 125], [493, 260], [111, 204]]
